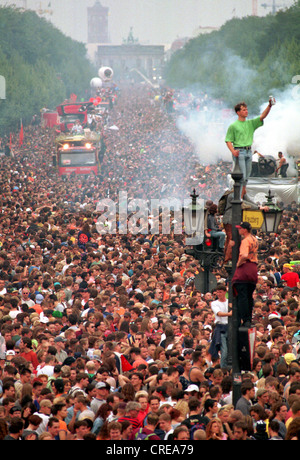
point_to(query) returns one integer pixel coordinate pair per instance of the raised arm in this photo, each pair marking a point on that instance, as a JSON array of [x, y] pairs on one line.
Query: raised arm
[[266, 112]]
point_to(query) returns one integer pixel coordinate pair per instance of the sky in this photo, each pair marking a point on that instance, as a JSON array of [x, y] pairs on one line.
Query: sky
[[155, 22]]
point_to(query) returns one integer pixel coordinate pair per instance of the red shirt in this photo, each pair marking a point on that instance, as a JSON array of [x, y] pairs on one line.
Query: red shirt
[[134, 421], [31, 357], [291, 278], [142, 414]]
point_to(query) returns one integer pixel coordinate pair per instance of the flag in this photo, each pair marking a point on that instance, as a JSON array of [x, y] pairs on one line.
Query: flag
[[126, 366], [21, 135], [10, 141], [123, 365]]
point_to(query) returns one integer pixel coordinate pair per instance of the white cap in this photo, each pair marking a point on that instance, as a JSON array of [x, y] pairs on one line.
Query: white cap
[[192, 388]]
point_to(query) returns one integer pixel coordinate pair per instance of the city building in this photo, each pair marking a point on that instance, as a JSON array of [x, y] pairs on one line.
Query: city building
[[131, 56]]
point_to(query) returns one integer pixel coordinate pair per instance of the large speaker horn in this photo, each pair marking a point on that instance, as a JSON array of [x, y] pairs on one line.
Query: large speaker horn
[[105, 73], [266, 166]]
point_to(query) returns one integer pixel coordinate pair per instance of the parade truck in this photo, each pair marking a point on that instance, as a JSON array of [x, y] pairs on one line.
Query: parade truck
[[78, 154]]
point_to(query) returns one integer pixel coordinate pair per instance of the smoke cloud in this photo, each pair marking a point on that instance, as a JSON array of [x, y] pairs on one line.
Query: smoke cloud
[[207, 133], [280, 132], [207, 127]]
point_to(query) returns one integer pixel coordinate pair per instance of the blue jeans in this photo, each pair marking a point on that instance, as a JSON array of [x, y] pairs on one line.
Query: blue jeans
[[224, 350], [221, 237], [245, 162]]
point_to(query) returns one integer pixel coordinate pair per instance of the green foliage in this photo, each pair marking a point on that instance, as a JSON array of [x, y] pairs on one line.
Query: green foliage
[[244, 60], [41, 66]]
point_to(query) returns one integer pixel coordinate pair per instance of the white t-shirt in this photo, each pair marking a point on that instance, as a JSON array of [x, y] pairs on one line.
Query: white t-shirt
[[14, 313], [218, 306], [45, 370], [43, 426]]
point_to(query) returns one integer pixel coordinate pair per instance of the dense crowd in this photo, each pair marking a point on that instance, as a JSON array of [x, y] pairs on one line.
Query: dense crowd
[[107, 337]]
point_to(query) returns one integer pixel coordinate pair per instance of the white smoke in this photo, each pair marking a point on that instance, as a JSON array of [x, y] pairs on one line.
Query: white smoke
[[207, 134], [207, 128], [281, 130]]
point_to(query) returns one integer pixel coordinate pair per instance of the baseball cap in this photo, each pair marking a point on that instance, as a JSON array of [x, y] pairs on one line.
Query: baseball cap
[[39, 298], [59, 338], [100, 385], [10, 353], [274, 315], [192, 388], [245, 225]]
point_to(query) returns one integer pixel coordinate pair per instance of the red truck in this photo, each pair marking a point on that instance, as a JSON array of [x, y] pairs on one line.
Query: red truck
[[78, 154]]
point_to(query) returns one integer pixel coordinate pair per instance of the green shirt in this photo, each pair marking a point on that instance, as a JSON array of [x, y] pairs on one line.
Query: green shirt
[[240, 133]]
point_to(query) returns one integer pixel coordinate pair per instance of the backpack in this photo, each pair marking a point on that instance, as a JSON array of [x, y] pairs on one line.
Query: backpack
[[140, 436], [223, 202]]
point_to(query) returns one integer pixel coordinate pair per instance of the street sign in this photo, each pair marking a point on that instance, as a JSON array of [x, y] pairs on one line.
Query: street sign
[[255, 218]]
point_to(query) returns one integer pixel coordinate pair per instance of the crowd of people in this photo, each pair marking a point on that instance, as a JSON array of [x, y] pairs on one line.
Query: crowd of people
[[106, 336]]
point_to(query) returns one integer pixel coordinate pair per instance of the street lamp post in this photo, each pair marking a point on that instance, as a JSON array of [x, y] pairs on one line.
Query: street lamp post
[[233, 357]]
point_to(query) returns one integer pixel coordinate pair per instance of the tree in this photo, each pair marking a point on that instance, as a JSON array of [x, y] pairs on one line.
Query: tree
[[245, 60], [42, 67]]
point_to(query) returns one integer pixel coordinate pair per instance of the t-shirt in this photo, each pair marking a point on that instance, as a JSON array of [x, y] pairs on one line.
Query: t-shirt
[[63, 426], [218, 306], [43, 425], [133, 420], [291, 278], [243, 405], [240, 133], [96, 403], [198, 421], [249, 247], [83, 238], [31, 357], [139, 361]]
